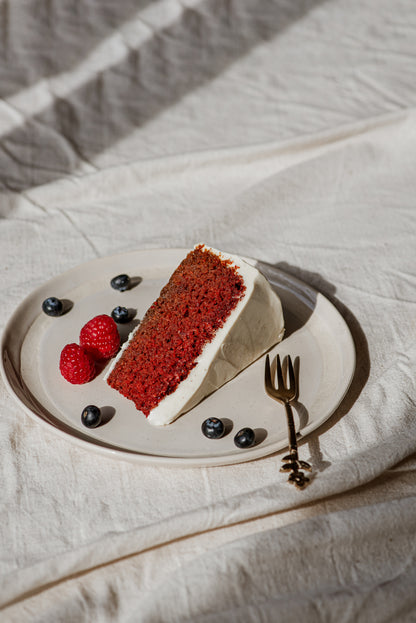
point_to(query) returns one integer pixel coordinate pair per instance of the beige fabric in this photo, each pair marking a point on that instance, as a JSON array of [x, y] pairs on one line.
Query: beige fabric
[[281, 131]]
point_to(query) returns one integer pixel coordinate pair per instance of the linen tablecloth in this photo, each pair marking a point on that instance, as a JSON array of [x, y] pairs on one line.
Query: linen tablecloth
[[283, 131]]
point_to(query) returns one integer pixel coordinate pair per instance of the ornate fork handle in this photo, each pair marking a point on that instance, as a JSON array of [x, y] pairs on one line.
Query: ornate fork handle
[[291, 461]]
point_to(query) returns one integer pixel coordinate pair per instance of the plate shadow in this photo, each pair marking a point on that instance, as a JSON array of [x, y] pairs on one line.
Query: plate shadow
[[312, 284]]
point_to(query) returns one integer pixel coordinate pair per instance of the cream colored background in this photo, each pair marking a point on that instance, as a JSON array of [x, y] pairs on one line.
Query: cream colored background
[[284, 131]]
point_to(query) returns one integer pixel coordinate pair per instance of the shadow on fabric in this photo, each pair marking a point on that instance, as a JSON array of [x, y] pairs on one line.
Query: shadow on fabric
[[55, 36], [111, 104]]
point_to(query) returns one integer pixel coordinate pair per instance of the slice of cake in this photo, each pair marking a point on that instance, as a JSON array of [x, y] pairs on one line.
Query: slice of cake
[[215, 316]]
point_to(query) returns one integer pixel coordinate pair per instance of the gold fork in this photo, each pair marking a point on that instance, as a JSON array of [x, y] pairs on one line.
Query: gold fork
[[285, 394]]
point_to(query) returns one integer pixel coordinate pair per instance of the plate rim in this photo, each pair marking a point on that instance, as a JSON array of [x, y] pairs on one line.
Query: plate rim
[[86, 442]]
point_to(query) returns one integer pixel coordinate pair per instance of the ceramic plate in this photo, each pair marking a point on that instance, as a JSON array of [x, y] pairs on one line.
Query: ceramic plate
[[315, 333]]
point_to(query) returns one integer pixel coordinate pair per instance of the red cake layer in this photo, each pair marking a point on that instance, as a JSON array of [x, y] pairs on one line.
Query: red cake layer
[[196, 301]]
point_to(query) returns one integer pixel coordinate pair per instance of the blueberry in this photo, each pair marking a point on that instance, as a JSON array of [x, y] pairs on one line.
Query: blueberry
[[213, 428], [121, 282], [244, 438], [91, 416], [120, 314], [53, 306]]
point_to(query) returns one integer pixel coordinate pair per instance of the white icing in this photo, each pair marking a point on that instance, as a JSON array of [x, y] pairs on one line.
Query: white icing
[[254, 326]]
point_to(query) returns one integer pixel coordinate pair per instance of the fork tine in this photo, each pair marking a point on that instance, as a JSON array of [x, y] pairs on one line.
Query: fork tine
[[280, 382], [292, 378], [296, 366], [267, 374]]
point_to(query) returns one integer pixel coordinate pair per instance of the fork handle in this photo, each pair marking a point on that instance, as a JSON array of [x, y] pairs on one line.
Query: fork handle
[[293, 444], [291, 461]]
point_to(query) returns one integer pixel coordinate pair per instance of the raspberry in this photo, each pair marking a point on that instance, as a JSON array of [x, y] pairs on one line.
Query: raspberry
[[100, 337], [76, 365]]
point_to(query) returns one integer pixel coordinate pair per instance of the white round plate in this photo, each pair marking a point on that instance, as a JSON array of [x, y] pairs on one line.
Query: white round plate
[[315, 333]]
